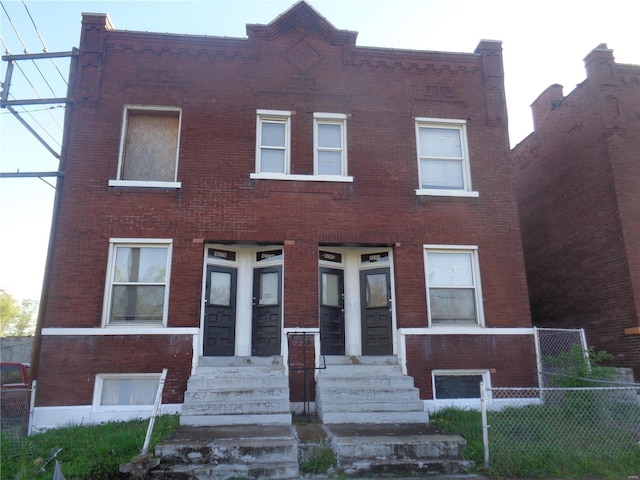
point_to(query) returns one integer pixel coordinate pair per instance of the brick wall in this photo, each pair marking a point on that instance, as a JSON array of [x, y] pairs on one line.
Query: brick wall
[[578, 180], [426, 353], [67, 377]]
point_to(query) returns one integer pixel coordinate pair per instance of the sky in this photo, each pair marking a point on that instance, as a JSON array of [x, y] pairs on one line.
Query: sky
[[544, 43]]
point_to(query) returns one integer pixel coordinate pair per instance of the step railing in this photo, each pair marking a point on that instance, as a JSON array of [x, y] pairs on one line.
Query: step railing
[[307, 365]]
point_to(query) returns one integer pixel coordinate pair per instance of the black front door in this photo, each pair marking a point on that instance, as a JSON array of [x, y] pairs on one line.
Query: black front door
[[331, 311], [375, 298], [220, 311], [267, 311]]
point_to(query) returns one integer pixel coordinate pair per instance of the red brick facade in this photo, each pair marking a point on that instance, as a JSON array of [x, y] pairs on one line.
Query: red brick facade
[[578, 179], [302, 64]]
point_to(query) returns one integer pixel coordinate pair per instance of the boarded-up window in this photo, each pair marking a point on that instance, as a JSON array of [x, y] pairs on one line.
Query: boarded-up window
[[150, 146]]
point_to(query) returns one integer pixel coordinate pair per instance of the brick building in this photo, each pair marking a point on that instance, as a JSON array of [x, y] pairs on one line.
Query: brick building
[[259, 208], [578, 182]]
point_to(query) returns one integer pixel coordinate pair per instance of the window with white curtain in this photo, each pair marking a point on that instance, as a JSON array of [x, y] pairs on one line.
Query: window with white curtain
[[453, 286], [443, 158], [126, 389]]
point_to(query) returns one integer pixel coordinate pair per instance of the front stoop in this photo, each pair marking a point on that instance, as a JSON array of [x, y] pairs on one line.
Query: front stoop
[[367, 390], [396, 449], [237, 391], [257, 452]]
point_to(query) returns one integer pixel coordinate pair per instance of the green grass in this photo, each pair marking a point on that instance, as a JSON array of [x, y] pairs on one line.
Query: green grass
[[88, 452], [531, 442]]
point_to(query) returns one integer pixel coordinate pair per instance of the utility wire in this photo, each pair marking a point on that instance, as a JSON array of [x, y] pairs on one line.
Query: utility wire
[[26, 51], [6, 48], [14, 28], [44, 47], [53, 107], [44, 129]]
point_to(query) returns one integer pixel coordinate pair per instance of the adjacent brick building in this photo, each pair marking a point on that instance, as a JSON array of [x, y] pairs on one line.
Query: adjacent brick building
[[224, 196], [578, 182]]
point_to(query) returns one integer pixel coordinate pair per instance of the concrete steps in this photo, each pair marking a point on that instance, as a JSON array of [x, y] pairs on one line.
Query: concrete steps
[[261, 452], [396, 449], [237, 391], [367, 390], [258, 452]]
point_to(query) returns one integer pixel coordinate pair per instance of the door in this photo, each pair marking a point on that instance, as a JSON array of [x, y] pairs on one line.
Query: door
[[375, 300], [220, 311], [331, 311], [267, 311]]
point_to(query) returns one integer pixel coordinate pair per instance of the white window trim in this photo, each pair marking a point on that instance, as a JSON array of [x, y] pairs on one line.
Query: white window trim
[[285, 116], [467, 191], [331, 119], [108, 290], [475, 263], [301, 178], [118, 182], [97, 390], [282, 116], [486, 379]]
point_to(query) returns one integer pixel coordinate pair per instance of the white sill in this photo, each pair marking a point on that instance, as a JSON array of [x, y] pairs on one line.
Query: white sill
[[302, 178], [140, 183], [446, 193]]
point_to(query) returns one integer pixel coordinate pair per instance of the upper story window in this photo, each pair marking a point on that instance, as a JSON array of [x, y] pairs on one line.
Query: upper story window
[[330, 144], [273, 147], [149, 147], [443, 158], [453, 285], [137, 286], [273, 142]]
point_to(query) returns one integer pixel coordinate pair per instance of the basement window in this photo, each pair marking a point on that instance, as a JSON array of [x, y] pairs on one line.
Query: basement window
[[113, 390], [149, 148], [458, 384]]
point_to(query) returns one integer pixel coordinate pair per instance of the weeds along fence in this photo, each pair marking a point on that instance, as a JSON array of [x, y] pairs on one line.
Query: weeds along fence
[[15, 405], [570, 425]]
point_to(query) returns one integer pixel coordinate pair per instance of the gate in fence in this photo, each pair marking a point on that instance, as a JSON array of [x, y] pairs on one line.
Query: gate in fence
[[551, 343]]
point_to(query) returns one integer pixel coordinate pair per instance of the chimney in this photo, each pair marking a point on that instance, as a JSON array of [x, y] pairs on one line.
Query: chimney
[[600, 64], [545, 104]]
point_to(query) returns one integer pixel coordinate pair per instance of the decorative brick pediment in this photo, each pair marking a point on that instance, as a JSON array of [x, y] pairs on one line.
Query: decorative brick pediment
[[304, 20]]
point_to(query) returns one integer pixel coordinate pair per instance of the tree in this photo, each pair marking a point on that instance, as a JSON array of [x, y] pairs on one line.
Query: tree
[[17, 319]]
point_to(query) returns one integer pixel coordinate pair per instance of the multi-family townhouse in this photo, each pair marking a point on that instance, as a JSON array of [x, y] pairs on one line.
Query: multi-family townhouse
[[286, 211]]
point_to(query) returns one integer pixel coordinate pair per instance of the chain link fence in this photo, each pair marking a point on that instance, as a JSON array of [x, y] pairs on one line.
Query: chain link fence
[[566, 425], [14, 411], [551, 343], [14, 419]]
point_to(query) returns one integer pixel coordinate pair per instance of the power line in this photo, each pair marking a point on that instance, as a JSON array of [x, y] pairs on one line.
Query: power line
[[28, 112], [53, 107], [14, 28], [26, 51], [44, 47]]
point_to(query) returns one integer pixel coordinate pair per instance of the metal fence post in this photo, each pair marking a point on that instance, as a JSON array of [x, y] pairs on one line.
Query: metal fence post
[[485, 426], [32, 405]]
